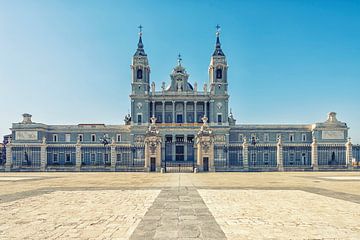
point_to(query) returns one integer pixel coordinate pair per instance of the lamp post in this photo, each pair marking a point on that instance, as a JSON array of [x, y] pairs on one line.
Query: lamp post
[[105, 140], [133, 149]]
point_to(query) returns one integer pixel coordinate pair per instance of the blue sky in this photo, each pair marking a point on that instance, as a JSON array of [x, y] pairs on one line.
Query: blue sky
[[68, 62]]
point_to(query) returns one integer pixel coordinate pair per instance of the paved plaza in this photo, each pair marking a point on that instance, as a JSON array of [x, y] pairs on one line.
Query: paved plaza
[[293, 205]]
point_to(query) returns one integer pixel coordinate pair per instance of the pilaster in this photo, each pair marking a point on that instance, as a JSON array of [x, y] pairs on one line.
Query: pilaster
[[314, 155], [43, 155], [279, 155], [163, 112], [245, 153], [349, 154], [173, 111], [185, 111], [113, 155], [78, 156], [195, 112]]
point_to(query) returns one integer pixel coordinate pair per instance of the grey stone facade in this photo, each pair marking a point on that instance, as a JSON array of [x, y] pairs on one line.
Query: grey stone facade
[[179, 127]]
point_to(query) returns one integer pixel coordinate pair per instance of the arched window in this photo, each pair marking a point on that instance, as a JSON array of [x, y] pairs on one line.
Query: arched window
[[218, 73], [139, 74]]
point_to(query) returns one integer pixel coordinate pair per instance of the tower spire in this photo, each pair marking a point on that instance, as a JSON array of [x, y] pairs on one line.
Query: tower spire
[[218, 51], [140, 50]]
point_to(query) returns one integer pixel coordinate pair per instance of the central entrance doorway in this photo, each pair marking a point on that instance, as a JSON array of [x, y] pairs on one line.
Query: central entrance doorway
[[179, 153]]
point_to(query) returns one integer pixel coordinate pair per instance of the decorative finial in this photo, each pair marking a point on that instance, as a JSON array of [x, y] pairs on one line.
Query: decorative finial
[[179, 59], [140, 29], [217, 30]]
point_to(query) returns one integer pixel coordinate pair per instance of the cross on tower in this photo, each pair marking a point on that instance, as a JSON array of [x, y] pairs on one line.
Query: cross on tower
[[217, 29], [140, 29], [179, 59]]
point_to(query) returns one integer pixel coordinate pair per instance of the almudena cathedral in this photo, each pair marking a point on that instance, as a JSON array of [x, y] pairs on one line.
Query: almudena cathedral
[[179, 127]]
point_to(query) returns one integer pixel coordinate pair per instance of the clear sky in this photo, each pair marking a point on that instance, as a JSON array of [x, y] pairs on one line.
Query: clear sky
[[68, 62]]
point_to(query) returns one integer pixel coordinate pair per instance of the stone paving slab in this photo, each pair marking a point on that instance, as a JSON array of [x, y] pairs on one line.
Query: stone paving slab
[[343, 178], [282, 214], [102, 214], [13, 178], [178, 213]]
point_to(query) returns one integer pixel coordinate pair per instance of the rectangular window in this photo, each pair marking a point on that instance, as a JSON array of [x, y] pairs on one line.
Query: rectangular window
[[139, 119], [179, 118], [303, 137], [118, 157], [67, 137], [266, 137], [291, 137], [80, 137], [240, 137], [68, 157], [55, 158], [55, 138], [118, 137], [219, 118], [93, 137]]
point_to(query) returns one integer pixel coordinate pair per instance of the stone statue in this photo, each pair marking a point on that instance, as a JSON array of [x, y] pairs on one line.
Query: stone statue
[[153, 87], [127, 119], [205, 88], [195, 87], [231, 119], [44, 140], [163, 86]]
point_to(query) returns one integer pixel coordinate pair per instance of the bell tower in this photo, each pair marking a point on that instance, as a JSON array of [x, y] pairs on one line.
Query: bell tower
[[218, 68], [140, 69], [218, 84], [140, 86]]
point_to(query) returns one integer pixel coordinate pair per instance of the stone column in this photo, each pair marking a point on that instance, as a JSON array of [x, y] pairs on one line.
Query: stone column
[[173, 112], [205, 108], [245, 152], [8, 162], [212, 115], [185, 103], [349, 154], [185, 148], [173, 145], [78, 156], [314, 154], [195, 113], [113, 155], [43, 155], [163, 112], [153, 108], [279, 155]]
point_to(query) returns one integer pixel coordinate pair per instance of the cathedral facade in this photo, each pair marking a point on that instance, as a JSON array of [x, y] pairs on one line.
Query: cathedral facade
[[179, 127]]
